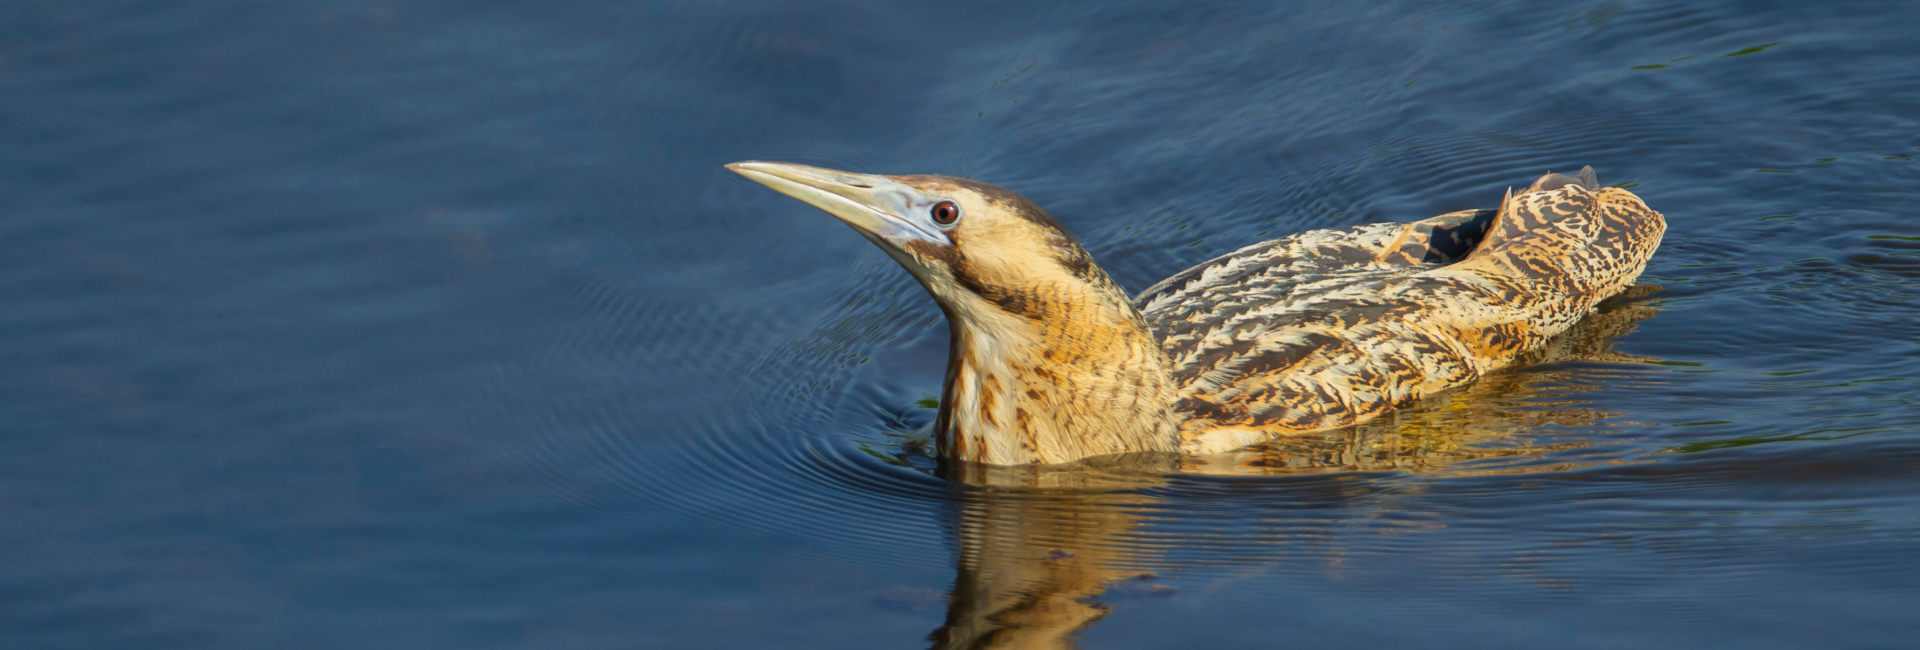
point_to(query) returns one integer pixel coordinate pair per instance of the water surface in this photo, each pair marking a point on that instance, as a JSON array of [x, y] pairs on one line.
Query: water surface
[[427, 324]]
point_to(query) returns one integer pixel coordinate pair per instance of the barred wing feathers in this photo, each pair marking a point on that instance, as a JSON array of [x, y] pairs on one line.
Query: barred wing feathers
[[1329, 328]]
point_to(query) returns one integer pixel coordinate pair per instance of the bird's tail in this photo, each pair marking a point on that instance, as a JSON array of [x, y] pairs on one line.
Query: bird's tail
[[1568, 236]]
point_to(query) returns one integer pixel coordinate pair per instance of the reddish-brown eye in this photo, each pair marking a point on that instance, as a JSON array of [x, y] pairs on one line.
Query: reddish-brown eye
[[945, 213]]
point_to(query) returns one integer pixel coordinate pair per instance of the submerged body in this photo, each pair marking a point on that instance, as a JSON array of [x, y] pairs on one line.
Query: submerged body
[[1051, 362]]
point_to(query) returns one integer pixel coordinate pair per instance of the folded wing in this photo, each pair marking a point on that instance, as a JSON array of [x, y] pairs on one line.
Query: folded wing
[[1329, 328]]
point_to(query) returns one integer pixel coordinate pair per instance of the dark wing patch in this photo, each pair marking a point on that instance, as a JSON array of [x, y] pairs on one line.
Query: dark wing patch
[[1329, 328]]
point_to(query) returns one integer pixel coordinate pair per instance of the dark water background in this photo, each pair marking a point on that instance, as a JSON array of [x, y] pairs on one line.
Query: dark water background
[[438, 324]]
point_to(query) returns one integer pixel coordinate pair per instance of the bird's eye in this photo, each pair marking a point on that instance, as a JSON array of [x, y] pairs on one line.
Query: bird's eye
[[945, 213]]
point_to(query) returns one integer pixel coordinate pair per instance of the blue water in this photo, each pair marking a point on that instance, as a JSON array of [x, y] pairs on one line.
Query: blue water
[[431, 324]]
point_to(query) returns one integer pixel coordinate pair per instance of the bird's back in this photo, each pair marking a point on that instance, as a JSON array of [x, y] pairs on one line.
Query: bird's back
[[1328, 328]]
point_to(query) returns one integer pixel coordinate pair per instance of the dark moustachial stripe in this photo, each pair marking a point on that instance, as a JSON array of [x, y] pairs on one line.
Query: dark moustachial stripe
[[1068, 254], [1013, 301]]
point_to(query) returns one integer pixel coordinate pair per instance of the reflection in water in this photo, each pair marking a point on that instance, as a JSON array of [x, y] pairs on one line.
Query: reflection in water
[[1032, 557], [1038, 544]]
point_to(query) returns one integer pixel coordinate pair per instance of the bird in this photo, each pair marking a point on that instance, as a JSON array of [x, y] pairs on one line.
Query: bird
[[1050, 361]]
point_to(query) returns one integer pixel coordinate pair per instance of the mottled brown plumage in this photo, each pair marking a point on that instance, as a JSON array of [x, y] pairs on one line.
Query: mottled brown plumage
[[1324, 329], [1329, 328]]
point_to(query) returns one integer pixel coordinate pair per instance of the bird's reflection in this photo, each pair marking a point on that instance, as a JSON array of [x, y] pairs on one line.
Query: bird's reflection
[[1038, 544]]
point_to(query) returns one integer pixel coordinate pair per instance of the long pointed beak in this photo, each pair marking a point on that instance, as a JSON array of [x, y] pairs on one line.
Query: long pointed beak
[[876, 206]]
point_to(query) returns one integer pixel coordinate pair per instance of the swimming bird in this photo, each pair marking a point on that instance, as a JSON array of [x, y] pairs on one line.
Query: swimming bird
[[1049, 361]]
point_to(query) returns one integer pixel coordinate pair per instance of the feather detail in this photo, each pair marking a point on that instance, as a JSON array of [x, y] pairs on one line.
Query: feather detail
[[1330, 328]]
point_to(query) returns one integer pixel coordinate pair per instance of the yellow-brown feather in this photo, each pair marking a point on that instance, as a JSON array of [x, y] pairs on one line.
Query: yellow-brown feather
[[1051, 363], [1328, 329]]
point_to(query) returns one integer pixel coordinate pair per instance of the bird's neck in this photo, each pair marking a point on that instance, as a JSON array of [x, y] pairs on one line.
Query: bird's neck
[[1072, 378]]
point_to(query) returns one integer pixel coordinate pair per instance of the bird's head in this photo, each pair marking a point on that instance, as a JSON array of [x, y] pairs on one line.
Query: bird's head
[[982, 251], [1049, 361]]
